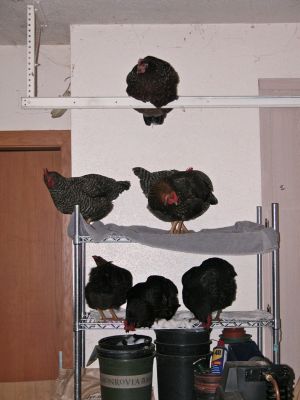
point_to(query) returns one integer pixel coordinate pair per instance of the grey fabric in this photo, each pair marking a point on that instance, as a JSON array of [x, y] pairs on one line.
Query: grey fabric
[[244, 237]]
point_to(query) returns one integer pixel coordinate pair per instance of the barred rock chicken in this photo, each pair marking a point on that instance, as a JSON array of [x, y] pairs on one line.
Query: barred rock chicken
[[94, 193], [176, 196], [107, 287], [157, 298], [209, 287], [155, 81]]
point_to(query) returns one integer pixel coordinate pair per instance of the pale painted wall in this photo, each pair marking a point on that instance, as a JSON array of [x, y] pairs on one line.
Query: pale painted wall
[[224, 143], [54, 68]]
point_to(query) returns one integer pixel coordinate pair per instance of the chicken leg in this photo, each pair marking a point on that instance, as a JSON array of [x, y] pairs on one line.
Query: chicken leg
[[103, 317], [178, 227]]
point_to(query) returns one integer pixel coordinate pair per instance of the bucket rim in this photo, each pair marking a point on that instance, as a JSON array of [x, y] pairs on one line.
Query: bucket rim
[[181, 356]]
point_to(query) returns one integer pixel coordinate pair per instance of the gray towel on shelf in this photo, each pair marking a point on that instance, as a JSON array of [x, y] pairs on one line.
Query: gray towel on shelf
[[244, 237]]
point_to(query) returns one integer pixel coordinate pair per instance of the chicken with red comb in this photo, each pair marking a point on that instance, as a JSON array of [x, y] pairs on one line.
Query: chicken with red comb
[[93, 193], [153, 80], [176, 196]]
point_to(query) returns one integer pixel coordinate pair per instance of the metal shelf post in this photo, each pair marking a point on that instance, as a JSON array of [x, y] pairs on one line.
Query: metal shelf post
[[259, 281], [77, 310], [276, 289]]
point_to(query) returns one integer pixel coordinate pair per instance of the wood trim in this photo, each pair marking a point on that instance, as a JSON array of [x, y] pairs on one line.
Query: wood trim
[[284, 87], [61, 140]]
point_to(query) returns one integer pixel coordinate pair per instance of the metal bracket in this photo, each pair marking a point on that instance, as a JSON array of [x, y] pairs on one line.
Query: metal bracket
[[31, 67]]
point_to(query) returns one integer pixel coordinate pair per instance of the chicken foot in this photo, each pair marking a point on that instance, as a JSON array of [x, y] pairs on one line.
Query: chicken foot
[[114, 316], [178, 227]]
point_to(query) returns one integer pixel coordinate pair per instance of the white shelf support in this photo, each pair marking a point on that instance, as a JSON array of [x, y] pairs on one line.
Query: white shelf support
[[31, 67], [183, 102]]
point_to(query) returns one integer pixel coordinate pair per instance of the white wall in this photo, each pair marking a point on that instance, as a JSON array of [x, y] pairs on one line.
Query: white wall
[[224, 143], [54, 68]]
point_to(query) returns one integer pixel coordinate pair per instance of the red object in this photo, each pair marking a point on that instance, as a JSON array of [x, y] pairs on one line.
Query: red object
[[233, 333]]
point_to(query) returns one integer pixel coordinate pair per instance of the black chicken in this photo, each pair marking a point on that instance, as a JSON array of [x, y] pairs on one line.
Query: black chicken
[[156, 81], [93, 193], [107, 287], [176, 196], [209, 287], [157, 298]]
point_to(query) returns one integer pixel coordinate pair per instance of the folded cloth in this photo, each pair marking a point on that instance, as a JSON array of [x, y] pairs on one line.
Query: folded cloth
[[244, 237]]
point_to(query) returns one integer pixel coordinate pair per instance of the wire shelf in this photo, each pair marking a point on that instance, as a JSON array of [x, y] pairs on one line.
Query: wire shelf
[[245, 319]]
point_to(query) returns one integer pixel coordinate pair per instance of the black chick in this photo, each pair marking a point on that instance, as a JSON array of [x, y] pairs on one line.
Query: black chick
[[107, 287], [209, 287], [157, 298], [176, 196], [153, 80], [93, 193]]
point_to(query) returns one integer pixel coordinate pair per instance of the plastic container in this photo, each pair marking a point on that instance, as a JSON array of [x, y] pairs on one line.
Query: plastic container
[[182, 349], [176, 351], [126, 363], [175, 376], [182, 336], [206, 385]]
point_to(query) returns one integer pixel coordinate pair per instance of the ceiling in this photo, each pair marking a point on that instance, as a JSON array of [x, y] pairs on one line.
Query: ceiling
[[58, 15]]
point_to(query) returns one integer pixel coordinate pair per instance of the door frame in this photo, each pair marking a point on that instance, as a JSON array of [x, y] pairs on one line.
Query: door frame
[[42, 139]]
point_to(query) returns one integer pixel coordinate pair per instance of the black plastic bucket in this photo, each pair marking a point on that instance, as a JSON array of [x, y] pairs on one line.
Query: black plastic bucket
[[126, 363], [176, 351], [182, 336], [175, 376], [182, 349]]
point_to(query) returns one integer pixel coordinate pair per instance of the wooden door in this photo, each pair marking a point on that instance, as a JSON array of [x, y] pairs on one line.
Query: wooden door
[[280, 157], [35, 273]]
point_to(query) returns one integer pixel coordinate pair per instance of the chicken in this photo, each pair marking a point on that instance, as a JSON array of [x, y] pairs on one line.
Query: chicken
[[153, 80], [157, 298], [107, 287], [176, 196], [93, 193], [209, 287]]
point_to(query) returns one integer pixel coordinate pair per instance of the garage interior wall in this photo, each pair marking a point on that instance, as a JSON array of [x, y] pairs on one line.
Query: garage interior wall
[[224, 143], [54, 68]]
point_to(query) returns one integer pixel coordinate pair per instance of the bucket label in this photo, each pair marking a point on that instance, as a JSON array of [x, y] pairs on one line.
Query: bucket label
[[125, 382]]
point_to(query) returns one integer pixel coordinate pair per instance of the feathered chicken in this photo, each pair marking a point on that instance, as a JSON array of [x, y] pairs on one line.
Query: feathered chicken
[[176, 196], [94, 193], [153, 80], [209, 287], [157, 298], [107, 287]]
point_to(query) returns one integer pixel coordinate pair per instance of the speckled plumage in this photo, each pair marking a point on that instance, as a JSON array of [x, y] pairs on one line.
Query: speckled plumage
[[93, 193], [193, 188], [155, 83]]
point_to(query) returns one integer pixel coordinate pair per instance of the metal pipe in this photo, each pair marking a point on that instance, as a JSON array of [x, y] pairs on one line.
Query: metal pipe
[[76, 310], [82, 300], [276, 289], [259, 282]]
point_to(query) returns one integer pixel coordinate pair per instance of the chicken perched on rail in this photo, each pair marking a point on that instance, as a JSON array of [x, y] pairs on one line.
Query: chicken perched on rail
[[209, 287], [176, 196], [107, 287], [153, 80], [157, 298], [93, 193]]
